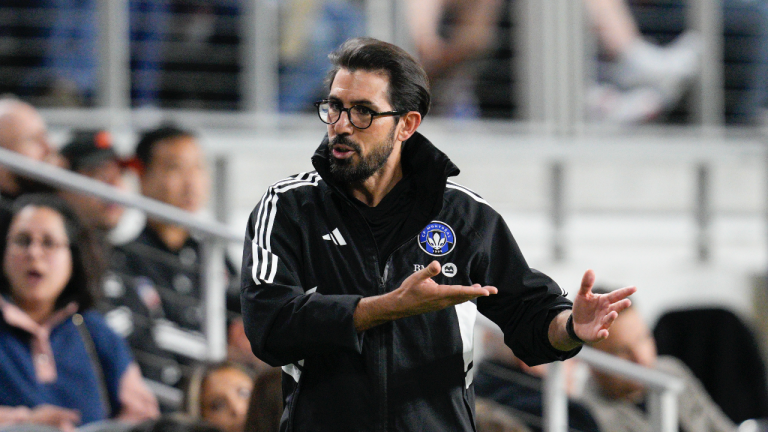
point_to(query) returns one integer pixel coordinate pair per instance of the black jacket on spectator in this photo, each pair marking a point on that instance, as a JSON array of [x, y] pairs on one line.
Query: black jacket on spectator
[[153, 298]]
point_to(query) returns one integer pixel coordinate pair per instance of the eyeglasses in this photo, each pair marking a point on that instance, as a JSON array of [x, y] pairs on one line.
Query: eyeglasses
[[360, 116], [24, 241]]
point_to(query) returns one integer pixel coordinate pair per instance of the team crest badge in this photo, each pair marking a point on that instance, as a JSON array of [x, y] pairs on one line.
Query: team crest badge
[[437, 239]]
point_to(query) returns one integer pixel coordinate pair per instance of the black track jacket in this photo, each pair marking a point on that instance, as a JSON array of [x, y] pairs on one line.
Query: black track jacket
[[310, 257]]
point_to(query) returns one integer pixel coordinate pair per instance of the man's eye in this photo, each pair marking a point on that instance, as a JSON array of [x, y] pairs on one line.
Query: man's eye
[[335, 106], [361, 110]]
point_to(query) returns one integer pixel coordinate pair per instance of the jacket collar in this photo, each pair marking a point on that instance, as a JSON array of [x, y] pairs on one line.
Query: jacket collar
[[429, 167], [40, 340]]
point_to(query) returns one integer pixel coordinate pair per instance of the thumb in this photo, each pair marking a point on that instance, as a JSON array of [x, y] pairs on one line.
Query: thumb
[[587, 282], [433, 269]]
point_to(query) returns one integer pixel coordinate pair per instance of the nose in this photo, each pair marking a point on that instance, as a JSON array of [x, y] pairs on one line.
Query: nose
[[343, 126], [240, 408], [35, 249]]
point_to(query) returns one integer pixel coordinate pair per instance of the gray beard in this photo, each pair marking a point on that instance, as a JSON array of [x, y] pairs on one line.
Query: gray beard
[[345, 171]]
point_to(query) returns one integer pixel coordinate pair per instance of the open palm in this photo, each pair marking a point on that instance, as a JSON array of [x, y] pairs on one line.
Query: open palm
[[593, 313]]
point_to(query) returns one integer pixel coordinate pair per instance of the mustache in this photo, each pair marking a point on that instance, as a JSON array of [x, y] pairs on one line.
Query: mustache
[[343, 140]]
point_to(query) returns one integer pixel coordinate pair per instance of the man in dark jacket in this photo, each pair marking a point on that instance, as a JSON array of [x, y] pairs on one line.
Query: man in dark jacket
[[363, 279]]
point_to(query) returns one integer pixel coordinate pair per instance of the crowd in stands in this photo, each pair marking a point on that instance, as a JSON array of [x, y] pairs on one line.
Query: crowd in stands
[[89, 330], [96, 335], [185, 53]]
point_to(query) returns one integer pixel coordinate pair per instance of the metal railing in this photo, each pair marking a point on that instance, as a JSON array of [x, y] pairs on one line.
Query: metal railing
[[663, 388], [552, 39], [214, 236]]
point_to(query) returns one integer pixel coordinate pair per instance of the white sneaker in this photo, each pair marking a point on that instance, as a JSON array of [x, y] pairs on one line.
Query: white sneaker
[[608, 104], [669, 69]]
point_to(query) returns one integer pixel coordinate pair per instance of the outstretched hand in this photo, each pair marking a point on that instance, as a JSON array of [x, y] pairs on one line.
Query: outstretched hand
[[418, 294], [593, 313]]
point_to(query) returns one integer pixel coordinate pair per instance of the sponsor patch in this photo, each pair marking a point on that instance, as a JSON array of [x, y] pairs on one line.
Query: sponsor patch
[[437, 239], [449, 270]]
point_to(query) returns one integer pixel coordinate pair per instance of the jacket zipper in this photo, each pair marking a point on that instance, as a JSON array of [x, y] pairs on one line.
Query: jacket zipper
[[380, 335]]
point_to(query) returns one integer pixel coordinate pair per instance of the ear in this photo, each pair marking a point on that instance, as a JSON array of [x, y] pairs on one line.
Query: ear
[[407, 125]]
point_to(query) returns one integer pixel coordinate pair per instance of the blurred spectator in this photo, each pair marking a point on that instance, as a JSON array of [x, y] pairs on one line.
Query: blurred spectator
[[451, 36], [59, 362], [183, 53], [172, 170], [90, 153], [219, 394], [620, 404], [71, 53], [643, 80], [309, 30], [23, 131], [503, 378], [266, 405], [175, 423], [158, 296], [744, 51]]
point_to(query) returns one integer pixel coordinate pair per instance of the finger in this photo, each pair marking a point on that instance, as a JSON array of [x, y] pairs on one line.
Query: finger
[[621, 293], [477, 288], [587, 281], [431, 270], [608, 320], [621, 305], [468, 291]]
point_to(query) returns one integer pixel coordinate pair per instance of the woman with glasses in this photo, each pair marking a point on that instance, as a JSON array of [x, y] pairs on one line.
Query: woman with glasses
[[60, 365]]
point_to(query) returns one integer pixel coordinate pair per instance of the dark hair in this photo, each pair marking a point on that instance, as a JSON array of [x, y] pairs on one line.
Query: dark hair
[[194, 387], [408, 83], [150, 138], [83, 286], [266, 406]]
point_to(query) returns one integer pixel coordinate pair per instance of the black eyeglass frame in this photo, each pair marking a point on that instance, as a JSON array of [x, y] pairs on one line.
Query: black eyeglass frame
[[374, 114]]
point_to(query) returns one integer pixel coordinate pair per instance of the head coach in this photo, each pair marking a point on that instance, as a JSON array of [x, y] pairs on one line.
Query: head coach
[[363, 278]]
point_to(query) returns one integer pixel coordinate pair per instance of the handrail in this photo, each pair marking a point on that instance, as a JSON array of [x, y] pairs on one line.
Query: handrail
[[663, 387], [214, 235], [66, 179], [663, 390], [609, 363]]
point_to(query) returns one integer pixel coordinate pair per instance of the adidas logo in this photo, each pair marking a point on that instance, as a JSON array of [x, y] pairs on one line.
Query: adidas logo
[[335, 237]]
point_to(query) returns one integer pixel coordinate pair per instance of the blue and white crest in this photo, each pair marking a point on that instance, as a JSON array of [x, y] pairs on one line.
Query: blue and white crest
[[437, 239]]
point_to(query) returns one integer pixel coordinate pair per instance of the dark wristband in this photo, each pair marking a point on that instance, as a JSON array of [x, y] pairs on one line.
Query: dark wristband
[[571, 332]]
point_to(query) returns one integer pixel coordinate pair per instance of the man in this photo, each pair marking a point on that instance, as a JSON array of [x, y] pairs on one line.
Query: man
[[172, 169], [346, 269], [162, 265], [619, 404], [23, 131], [90, 153]]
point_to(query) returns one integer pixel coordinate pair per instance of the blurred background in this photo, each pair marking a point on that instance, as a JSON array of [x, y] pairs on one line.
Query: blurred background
[[624, 136]]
